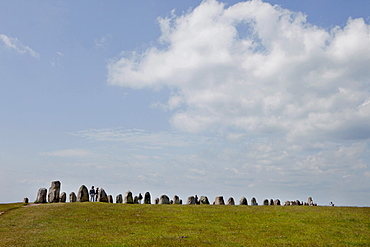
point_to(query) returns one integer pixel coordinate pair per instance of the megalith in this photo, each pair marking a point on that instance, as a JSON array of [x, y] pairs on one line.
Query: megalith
[[128, 198], [230, 201], [110, 198], [102, 195], [156, 200], [191, 200], [309, 200], [254, 202], [203, 200], [72, 197], [119, 198], [136, 200], [25, 200], [147, 199], [271, 202], [41, 195], [164, 199], [54, 192], [277, 202], [219, 200], [83, 194], [243, 201], [63, 197], [176, 199], [265, 202]]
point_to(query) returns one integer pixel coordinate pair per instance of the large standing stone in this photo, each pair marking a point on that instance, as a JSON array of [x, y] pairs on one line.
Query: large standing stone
[[102, 195], [119, 198], [54, 192], [243, 201], [147, 198], [25, 200], [230, 201], [219, 200], [254, 202], [271, 202], [83, 194], [266, 202], [128, 198], [309, 200], [277, 202], [72, 197], [63, 197], [176, 199], [156, 200], [41, 195], [191, 200], [110, 198], [203, 200], [164, 199]]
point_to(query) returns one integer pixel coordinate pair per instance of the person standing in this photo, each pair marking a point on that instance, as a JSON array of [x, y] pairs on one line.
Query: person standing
[[96, 193], [139, 198], [92, 194]]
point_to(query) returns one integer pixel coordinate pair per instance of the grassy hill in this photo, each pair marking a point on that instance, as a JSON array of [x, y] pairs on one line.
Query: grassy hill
[[103, 224]]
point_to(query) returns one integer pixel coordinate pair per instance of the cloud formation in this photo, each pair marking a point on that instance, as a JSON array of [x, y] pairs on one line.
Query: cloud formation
[[13, 43], [254, 68]]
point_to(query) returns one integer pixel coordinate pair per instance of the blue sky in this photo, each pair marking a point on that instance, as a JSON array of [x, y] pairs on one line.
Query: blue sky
[[265, 99]]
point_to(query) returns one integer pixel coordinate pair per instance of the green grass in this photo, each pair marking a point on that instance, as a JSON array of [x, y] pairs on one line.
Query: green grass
[[103, 224]]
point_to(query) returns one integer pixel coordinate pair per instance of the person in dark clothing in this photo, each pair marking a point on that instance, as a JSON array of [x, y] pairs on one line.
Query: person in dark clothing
[[140, 197], [92, 194], [96, 194]]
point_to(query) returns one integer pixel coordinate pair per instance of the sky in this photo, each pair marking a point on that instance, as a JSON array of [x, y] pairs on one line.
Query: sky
[[266, 99]]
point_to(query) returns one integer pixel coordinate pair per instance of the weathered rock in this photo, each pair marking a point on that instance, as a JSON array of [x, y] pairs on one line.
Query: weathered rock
[[309, 200], [298, 203], [72, 197], [25, 200], [54, 192], [147, 198], [119, 198], [136, 200], [271, 202], [219, 200], [254, 202], [203, 200], [83, 194], [41, 195], [181, 201], [265, 202], [102, 195], [176, 199], [128, 198], [243, 201], [191, 200], [230, 201], [63, 197], [110, 198], [164, 199], [287, 203], [277, 202], [156, 200]]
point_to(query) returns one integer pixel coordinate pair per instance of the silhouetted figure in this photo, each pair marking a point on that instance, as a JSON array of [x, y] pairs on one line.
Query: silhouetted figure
[[92, 194], [139, 198]]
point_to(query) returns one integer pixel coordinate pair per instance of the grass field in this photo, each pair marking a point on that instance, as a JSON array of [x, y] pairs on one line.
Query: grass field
[[103, 224]]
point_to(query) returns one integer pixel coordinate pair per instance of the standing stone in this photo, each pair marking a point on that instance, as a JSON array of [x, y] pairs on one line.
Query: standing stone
[[164, 199], [136, 200], [147, 199], [181, 201], [41, 196], [266, 202], [63, 197], [102, 195], [271, 202], [254, 202], [191, 200], [243, 201], [230, 201], [119, 198], [309, 200], [128, 198], [219, 200], [298, 203], [156, 200], [203, 200], [54, 192], [25, 200], [72, 197], [83, 194], [277, 202], [110, 199], [176, 199]]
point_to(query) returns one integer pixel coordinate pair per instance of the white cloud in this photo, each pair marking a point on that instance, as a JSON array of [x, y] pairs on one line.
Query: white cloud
[[15, 44], [257, 68]]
